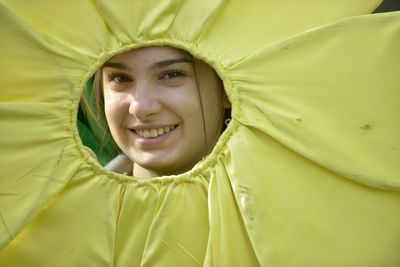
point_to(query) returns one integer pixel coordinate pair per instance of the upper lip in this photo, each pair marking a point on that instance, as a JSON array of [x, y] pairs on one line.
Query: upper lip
[[150, 127]]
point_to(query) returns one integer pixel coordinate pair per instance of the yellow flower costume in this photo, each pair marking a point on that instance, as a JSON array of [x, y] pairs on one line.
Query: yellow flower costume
[[307, 173]]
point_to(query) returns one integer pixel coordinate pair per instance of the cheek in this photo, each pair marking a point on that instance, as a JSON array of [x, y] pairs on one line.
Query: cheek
[[114, 107], [184, 102]]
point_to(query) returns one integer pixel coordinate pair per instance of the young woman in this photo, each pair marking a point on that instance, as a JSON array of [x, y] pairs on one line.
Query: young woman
[[164, 108], [306, 174]]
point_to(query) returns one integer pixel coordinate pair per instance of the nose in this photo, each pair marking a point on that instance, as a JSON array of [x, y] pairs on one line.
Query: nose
[[145, 101]]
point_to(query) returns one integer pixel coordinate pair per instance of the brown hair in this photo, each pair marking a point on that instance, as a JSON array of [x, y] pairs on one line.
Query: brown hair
[[92, 103]]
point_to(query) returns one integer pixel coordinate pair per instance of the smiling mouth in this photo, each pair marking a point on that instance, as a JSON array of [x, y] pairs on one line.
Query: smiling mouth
[[153, 133]]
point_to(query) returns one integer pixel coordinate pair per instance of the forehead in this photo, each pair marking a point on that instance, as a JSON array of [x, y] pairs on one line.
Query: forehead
[[150, 54]]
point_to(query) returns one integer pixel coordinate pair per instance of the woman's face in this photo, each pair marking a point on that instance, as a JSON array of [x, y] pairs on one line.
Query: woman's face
[[155, 109]]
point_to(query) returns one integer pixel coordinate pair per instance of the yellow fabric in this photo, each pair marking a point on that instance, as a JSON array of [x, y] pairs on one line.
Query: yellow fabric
[[307, 173]]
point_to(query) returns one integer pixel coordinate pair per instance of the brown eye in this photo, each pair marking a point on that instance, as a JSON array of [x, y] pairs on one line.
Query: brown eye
[[172, 74], [120, 78]]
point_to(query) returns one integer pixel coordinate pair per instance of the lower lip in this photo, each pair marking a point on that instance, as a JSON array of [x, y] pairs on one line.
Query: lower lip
[[153, 142]]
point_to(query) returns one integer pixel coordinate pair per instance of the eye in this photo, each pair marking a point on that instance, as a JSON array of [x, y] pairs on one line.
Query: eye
[[172, 74], [120, 78]]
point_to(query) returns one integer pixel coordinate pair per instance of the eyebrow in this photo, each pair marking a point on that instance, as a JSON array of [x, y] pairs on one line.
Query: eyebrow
[[168, 62], [159, 64]]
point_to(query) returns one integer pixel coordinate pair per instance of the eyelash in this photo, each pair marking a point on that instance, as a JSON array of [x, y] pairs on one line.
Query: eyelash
[[113, 77], [120, 77], [177, 74]]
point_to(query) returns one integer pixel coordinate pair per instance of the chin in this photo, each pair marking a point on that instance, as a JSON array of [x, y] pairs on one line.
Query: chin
[[164, 162]]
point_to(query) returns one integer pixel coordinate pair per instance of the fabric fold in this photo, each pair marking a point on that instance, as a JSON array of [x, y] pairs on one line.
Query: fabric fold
[[298, 97]]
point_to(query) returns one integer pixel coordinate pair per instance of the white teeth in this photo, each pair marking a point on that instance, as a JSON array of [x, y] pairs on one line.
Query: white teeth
[[155, 132]]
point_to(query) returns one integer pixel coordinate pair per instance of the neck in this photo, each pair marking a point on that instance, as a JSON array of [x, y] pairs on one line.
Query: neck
[[140, 172]]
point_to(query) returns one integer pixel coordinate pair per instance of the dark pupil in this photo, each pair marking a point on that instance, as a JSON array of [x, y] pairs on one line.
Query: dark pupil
[[122, 78], [173, 74]]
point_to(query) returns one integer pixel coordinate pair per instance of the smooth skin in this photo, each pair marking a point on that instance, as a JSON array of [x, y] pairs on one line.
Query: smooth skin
[[164, 109]]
